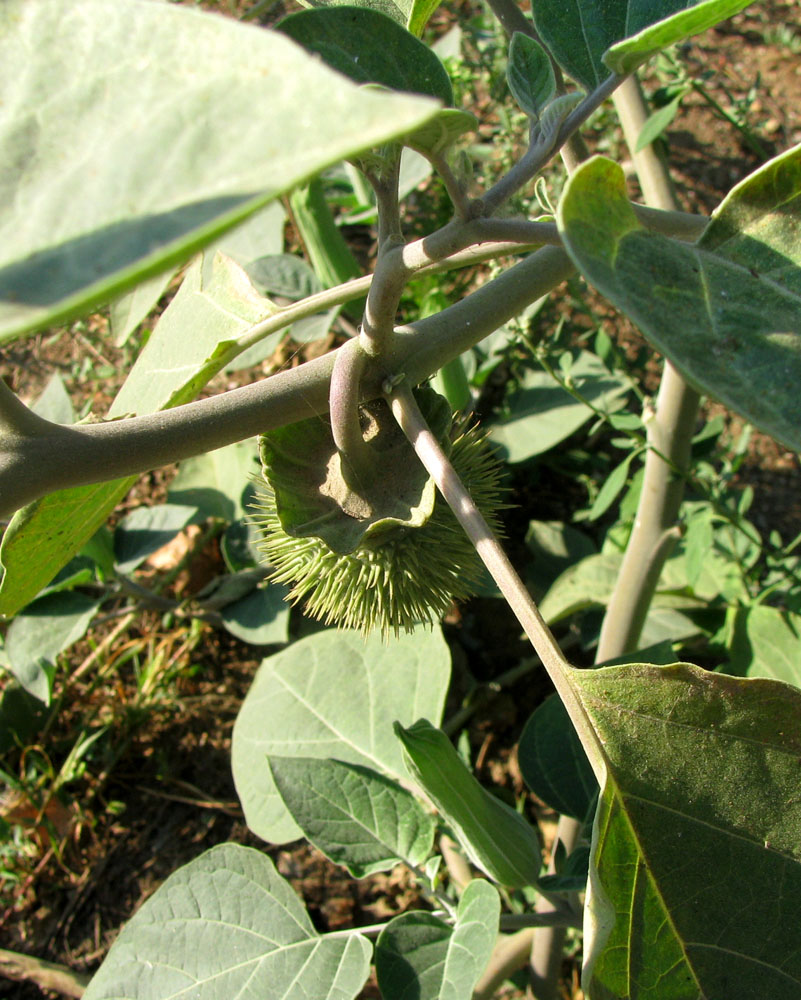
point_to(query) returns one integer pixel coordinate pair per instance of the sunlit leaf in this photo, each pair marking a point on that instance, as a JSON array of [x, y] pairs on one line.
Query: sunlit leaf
[[193, 122], [227, 925], [332, 695], [727, 310]]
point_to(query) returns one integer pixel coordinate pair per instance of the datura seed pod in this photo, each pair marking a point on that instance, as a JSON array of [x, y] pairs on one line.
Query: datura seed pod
[[388, 554]]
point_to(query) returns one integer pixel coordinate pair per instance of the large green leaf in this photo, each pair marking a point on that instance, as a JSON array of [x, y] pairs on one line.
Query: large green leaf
[[227, 925], [578, 32], [370, 47], [696, 873], [727, 310], [497, 839], [354, 815], [419, 955], [332, 695], [134, 133]]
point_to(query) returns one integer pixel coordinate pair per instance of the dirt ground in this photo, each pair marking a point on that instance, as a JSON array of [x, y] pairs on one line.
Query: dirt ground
[[165, 791]]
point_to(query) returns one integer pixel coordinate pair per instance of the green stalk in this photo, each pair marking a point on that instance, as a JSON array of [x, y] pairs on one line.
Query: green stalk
[[328, 251]]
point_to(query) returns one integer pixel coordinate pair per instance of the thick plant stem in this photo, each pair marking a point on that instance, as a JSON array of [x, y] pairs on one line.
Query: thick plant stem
[[669, 434], [669, 429]]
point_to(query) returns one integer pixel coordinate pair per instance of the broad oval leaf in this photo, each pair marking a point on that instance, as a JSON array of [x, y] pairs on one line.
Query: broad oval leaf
[[419, 955], [227, 925], [765, 642], [696, 870], [164, 96], [357, 817], [369, 47], [578, 32], [497, 839], [333, 694], [726, 310]]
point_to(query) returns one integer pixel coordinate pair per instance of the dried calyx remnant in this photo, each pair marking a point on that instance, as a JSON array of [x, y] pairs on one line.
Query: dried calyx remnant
[[384, 554]]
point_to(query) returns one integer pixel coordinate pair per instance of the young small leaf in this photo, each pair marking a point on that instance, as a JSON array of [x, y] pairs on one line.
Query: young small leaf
[[530, 74], [497, 839]]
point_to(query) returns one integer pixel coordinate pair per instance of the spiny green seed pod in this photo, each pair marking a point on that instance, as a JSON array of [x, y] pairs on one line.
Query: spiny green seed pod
[[401, 572]]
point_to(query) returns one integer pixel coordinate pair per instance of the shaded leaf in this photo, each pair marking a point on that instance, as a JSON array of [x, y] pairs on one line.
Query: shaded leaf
[[260, 617], [332, 695], [369, 47], [697, 841], [765, 642], [542, 413], [578, 32], [34, 639], [419, 955], [145, 530], [726, 310], [228, 925], [497, 839], [67, 244], [553, 763], [218, 482], [357, 817]]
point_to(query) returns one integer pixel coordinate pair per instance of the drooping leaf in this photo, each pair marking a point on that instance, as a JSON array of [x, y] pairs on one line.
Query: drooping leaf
[[765, 642], [370, 47], [497, 839], [357, 817], [696, 871], [44, 536], [553, 762], [542, 413], [228, 925], [727, 310], [218, 105], [420, 955], [530, 74], [333, 694], [34, 639], [579, 32]]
